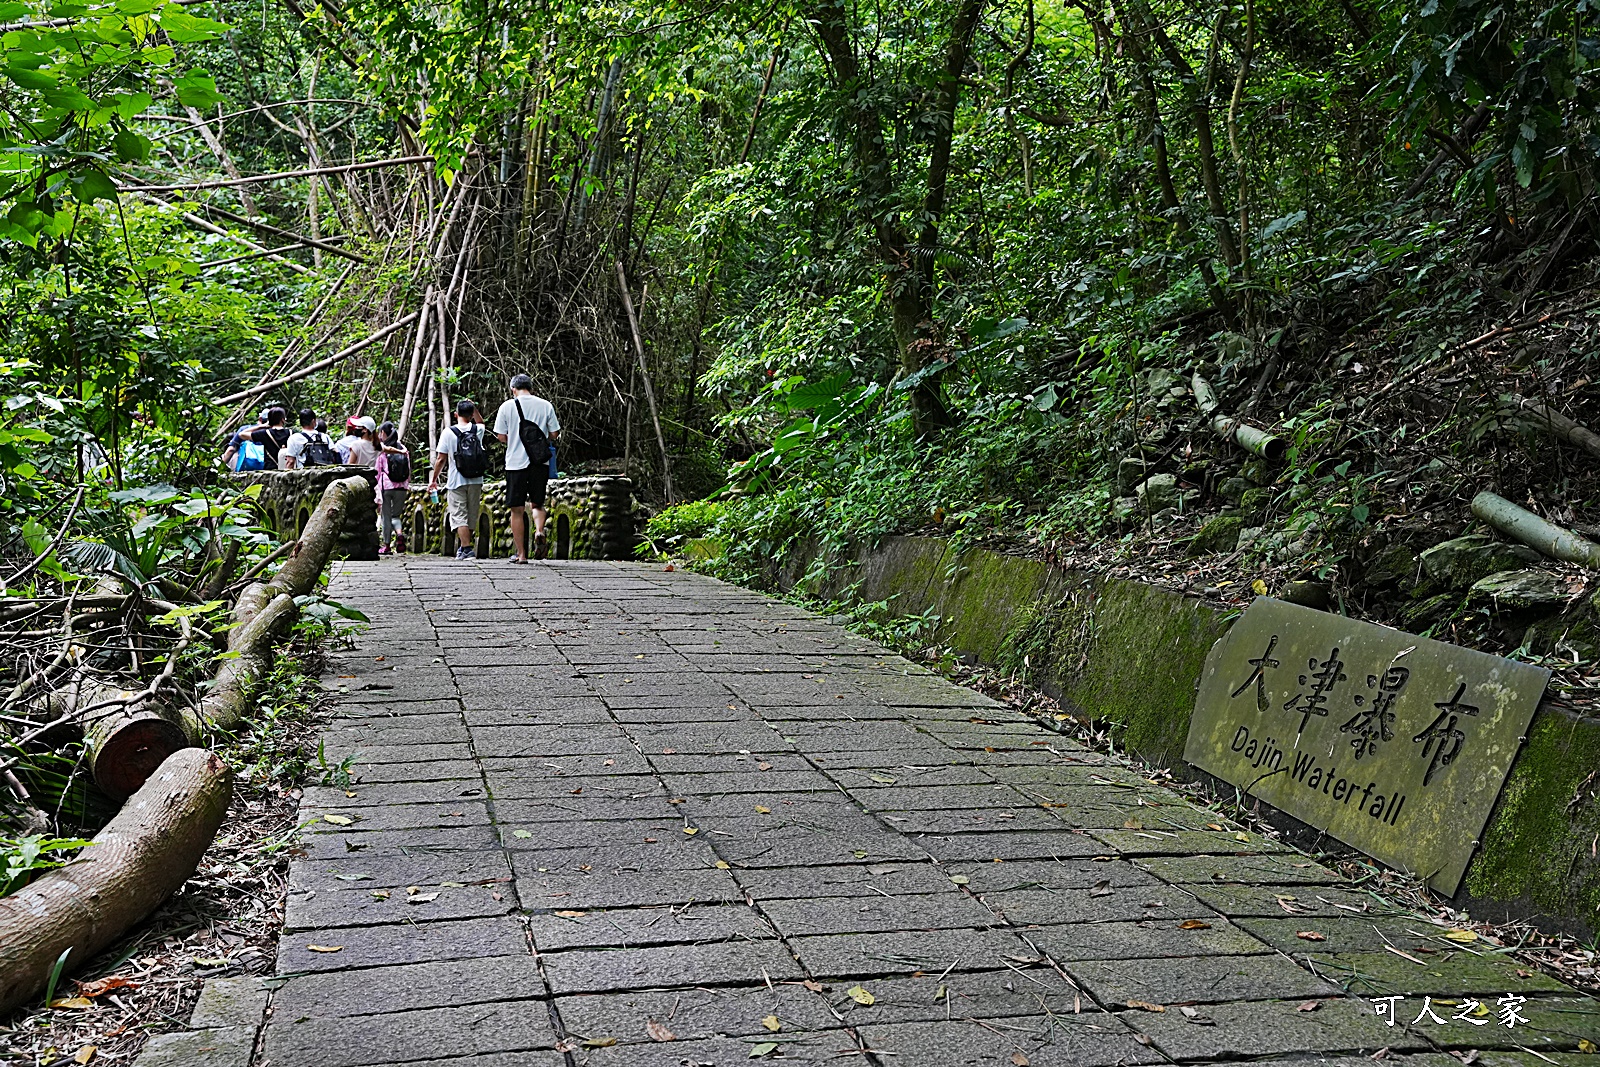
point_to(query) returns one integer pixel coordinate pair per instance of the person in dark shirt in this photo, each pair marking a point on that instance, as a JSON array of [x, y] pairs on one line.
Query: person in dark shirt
[[271, 437]]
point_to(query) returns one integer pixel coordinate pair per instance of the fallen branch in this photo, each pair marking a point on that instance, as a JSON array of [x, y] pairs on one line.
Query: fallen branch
[[1544, 537], [142, 856], [1241, 433], [287, 235], [398, 161], [320, 365]]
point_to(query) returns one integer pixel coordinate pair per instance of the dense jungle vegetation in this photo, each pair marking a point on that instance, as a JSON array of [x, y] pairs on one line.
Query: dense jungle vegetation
[[895, 266]]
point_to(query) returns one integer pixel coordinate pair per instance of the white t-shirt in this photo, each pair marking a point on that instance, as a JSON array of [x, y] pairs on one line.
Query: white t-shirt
[[357, 451], [297, 445], [535, 409], [447, 447]]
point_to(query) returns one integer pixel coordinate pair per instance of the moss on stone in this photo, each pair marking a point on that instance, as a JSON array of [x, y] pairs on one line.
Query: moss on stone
[[1142, 664], [1537, 848], [1220, 534]]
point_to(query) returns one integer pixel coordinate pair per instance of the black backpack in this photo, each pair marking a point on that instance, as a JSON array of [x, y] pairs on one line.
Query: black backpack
[[319, 451], [399, 464], [532, 435], [472, 461]]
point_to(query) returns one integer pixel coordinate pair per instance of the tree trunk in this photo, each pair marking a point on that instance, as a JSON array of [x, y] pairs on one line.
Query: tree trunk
[[136, 862]]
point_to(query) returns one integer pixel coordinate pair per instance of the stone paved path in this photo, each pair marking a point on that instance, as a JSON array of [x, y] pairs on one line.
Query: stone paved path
[[603, 805]]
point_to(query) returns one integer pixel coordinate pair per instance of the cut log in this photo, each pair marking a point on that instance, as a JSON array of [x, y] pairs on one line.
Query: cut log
[[124, 748], [142, 855], [1544, 537]]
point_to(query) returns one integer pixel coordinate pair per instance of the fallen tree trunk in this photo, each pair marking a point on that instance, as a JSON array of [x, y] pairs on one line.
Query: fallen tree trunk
[[1241, 433], [1544, 537], [123, 746], [135, 863]]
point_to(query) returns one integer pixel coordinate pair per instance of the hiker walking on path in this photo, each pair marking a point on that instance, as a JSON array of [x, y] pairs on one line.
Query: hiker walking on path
[[358, 446], [394, 482], [526, 424], [462, 447], [308, 446]]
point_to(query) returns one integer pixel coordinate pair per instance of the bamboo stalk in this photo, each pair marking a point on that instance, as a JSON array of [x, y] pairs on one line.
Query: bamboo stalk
[[1557, 424], [1544, 537], [306, 372], [644, 374], [398, 161], [1247, 437]]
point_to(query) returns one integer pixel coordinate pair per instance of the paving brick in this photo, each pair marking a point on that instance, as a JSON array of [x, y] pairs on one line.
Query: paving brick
[[416, 942], [666, 967], [1256, 1028], [496, 1026], [407, 987], [1058, 1041], [697, 1014]]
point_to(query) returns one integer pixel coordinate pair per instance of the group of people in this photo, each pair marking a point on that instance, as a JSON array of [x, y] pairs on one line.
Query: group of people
[[525, 424]]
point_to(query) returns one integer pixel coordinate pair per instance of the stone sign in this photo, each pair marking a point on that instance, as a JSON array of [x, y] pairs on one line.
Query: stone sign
[[1394, 744]]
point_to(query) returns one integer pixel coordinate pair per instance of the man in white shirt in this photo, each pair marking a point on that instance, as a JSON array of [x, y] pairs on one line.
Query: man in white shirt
[[307, 437], [462, 447], [359, 445], [523, 422]]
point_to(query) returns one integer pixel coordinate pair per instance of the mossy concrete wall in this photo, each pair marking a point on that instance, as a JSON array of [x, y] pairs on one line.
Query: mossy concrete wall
[[1130, 654]]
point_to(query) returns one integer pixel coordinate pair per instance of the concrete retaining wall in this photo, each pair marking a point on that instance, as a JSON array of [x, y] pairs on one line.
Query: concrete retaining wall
[[1131, 654]]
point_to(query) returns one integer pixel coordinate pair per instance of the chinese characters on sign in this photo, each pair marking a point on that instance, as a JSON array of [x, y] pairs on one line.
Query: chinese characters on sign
[[1394, 744]]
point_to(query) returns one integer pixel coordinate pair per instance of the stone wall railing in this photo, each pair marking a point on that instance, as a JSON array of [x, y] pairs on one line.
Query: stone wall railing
[[590, 518]]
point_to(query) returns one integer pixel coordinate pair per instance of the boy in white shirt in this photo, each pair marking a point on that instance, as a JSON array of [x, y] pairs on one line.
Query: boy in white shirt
[[462, 447]]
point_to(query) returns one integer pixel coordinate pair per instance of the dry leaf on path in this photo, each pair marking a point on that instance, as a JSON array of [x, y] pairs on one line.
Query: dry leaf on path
[[72, 1002], [422, 898], [338, 820], [599, 1042], [1310, 1005], [658, 1032], [572, 914], [1463, 936], [859, 995], [100, 987], [85, 1054], [960, 879], [1194, 924], [326, 948], [1145, 1005], [1311, 935], [765, 1048], [815, 987], [763, 810], [771, 1023], [1102, 888], [1020, 1059], [523, 834]]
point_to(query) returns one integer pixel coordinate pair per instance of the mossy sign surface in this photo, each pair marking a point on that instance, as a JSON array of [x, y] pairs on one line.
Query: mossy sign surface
[[1394, 744]]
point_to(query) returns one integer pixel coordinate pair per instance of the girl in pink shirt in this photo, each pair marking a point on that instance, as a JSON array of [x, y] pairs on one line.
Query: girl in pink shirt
[[393, 464]]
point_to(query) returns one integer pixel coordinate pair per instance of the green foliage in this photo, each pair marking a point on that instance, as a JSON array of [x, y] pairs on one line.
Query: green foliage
[[25, 857]]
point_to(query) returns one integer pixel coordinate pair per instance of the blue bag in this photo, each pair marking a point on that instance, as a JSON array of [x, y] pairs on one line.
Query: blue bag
[[251, 457]]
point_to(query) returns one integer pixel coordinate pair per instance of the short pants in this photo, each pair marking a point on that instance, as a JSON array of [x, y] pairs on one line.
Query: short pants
[[464, 502], [527, 486]]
